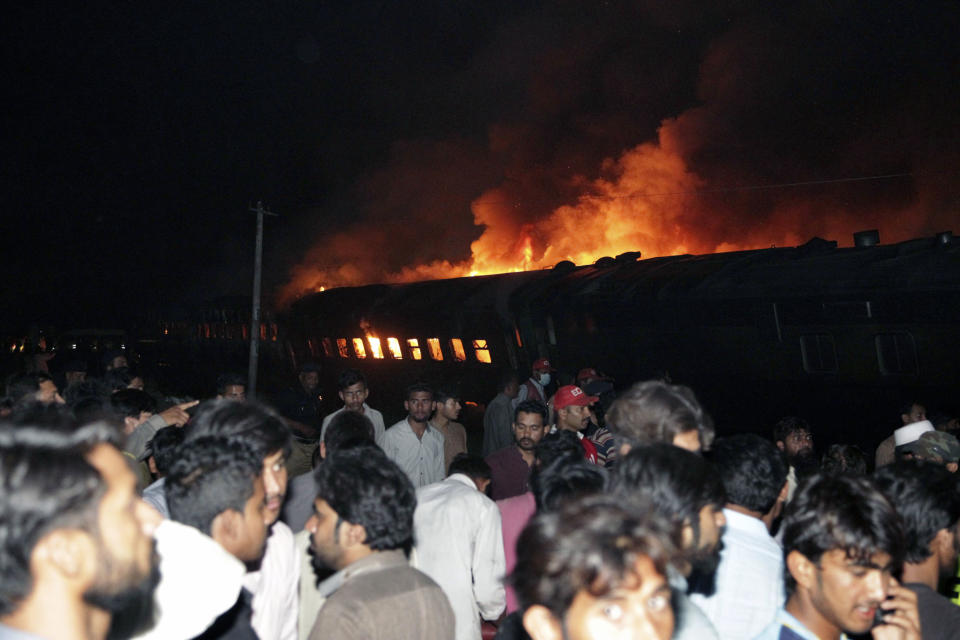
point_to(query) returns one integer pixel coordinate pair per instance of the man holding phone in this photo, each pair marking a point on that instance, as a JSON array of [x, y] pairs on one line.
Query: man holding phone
[[842, 543]]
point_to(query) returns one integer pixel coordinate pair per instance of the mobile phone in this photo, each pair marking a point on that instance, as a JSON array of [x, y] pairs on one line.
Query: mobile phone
[[878, 617]]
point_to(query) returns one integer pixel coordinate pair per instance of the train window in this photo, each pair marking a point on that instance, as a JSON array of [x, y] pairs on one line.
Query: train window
[[328, 347], [897, 354], [482, 351], [263, 331], [359, 349], [375, 349], [433, 345], [274, 331], [393, 346], [342, 347], [516, 334], [819, 353], [414, 346], [312, 345], [245, 331], [456, 346]]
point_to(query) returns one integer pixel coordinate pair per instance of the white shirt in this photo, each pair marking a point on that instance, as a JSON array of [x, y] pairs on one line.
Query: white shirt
[[155, 495], [749, 580], [374, 416], [310, 598], [420, 458], [276, 586], [459, 544], [199, 580]]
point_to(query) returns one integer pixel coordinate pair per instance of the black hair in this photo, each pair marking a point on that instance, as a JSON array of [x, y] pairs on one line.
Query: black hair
[[556, 484], [531, 406], [752, 470], [45, 484], [844, 458], [787, 425], [654, 411], [677, 482], [119, 378], [229, 379], [473, 466], [364, 487], [211, 474], [907, 407], [130, 403], [926, 496], [347, 426], [79, 392], [350, 377], [163, 447], [309, 367], [560, 445], [260, 427], [591, 545], [841, 512], [506, 377], [21, 385], [109, 356], [417, 387], [446, 392]]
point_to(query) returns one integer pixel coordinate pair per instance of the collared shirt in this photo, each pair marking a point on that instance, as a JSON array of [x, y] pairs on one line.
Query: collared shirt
[[381, 597], [509, 473], [156, 496], [749, 579], [526, 394], [372, 414], [786, 627], [275, 586], [459, 544], [498, 424], [420, 458], [310, 599], [454, 442]]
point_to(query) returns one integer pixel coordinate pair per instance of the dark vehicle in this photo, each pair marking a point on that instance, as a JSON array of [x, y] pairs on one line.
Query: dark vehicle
[[841, 336]]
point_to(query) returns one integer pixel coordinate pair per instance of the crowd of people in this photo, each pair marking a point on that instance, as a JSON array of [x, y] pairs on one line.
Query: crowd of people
[[589, 514]]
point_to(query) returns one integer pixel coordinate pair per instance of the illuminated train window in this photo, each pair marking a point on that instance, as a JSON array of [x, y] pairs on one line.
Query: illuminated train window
[[433, 344], [414, 346], [359, 349], [327, 347], [342, 347], [312, 345], [482, 351], [393, 346], [375, 348], [456, 345]]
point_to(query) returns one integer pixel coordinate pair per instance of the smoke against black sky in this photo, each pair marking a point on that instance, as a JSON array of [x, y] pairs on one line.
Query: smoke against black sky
[[402, 140]]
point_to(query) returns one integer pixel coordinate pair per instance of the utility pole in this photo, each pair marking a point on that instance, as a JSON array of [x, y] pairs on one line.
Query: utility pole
[[255, 315]]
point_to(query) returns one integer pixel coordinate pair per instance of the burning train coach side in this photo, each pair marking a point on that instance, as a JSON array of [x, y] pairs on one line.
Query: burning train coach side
[[840, 335]]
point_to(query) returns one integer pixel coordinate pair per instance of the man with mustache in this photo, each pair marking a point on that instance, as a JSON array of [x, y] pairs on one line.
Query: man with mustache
[[415, 444], [274, 583], [684, 488], [76, 542], [842, 542], [510, 466]]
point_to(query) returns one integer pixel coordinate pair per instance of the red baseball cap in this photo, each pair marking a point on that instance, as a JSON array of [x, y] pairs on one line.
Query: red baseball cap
[[572, 396], [590, 372], [542, 363]]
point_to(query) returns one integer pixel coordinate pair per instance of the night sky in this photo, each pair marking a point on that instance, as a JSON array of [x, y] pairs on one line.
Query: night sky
[[140, 133]]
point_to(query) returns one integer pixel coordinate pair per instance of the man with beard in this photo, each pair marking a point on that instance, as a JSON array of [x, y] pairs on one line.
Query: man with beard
[[76, 542], [413, 443], [927, 497], [274, 582], [684, 488], [748, 583], [215, 486], [843, 542], [510, 466], [362, 527], [793, 437]]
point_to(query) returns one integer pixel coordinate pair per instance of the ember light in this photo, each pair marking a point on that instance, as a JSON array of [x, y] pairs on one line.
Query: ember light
[[482, 351], [414, 346], [375, 348], [433, 344], [393, 346]]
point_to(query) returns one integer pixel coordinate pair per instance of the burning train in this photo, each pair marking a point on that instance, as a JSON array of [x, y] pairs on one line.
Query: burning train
[[839, 335]]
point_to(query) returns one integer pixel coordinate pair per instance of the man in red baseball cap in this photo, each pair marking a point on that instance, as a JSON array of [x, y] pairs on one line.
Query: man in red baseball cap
[[572, 408], [533, 388]]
